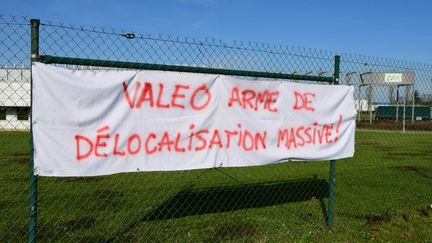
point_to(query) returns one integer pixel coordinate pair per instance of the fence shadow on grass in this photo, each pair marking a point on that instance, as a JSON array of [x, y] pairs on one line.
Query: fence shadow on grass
[[230, 198], [189, 202]]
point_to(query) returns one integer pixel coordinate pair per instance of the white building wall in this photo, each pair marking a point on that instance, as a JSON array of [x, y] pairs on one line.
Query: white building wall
[[14, 95], [12, 123], [362, 105]]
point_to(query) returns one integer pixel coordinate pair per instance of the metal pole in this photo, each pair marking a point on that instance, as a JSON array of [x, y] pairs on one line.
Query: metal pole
[[404, 110], [397, 103], [413, 105], [370, 104], [34, 23], [330, 212], [359, 103]]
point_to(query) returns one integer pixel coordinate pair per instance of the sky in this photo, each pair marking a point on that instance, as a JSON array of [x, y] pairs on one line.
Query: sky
[[395, 29]]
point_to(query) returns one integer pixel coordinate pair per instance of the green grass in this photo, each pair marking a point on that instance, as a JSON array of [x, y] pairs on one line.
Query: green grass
[[383, 193]]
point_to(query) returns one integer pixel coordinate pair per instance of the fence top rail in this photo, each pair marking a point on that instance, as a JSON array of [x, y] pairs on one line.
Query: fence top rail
[[163, 67]]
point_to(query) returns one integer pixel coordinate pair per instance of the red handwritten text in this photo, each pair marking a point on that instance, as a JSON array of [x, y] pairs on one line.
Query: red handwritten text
[[195, 140], [251, 99], [145, 94], [303, 101]]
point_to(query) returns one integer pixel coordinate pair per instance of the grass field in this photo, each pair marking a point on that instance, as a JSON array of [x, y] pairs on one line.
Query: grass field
[[383, 193]]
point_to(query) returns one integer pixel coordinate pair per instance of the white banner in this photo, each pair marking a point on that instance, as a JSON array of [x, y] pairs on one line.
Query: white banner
[[88, 123]]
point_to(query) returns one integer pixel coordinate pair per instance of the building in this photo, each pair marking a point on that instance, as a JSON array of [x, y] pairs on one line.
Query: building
[[362, 105], [14, 99]]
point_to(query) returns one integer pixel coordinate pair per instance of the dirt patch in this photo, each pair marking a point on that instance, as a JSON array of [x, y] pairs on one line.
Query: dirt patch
[[374, 221], [377, 219], [233, 231], [426, 211], [406, 217]]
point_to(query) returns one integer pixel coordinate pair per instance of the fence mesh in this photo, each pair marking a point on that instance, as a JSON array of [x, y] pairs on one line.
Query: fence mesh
[[388, 177]]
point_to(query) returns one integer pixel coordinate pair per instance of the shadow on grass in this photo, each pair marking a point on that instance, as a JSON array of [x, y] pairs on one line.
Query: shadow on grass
[[421, 171], [224, 199]]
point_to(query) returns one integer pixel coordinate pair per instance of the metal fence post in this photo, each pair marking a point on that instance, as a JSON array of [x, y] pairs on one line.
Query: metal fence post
[[34, 23], [413, 105], [330, 212]]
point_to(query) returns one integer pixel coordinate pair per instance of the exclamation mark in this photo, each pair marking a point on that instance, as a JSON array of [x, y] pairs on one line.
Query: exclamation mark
[[337, 128]]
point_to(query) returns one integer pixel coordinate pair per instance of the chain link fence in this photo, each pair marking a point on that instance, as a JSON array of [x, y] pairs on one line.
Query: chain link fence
[[388, 177]]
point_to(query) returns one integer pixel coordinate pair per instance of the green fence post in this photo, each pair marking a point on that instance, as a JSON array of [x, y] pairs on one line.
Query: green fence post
[[34, 23], [330, 212]]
